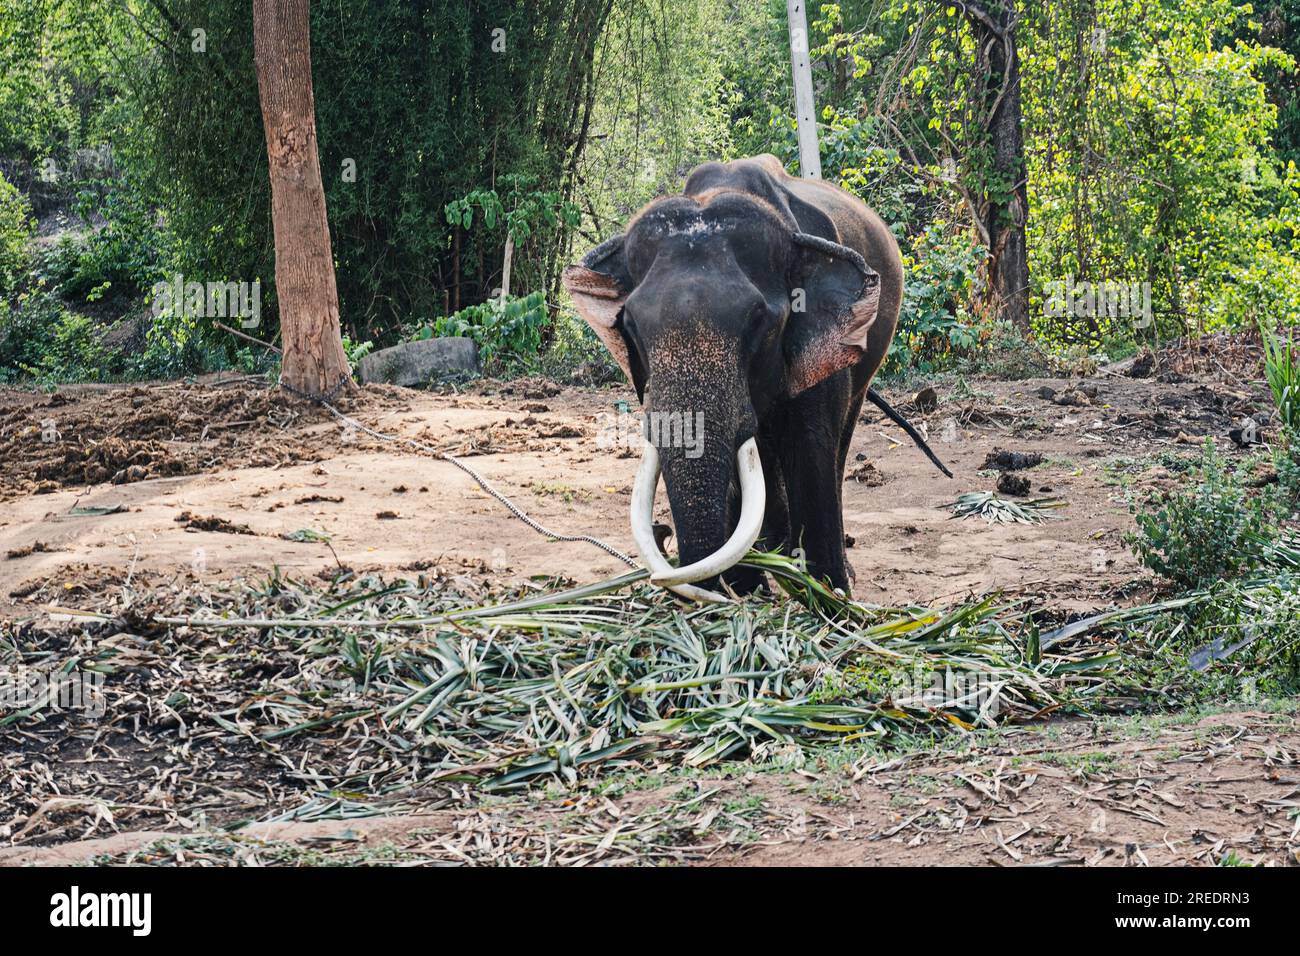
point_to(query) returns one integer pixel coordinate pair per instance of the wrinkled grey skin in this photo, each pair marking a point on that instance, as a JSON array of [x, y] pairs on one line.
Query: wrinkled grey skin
[[699, 302]]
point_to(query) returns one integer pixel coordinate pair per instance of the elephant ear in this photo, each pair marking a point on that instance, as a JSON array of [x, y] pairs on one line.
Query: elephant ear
[[599, 286], [835, 296]]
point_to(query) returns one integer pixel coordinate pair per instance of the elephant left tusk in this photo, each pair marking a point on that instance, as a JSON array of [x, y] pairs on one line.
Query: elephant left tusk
[[753, 503], [643, 504]]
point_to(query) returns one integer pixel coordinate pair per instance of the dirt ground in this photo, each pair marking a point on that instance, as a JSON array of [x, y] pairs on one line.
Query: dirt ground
[[107, 490], [215, 478], [1210, 790]]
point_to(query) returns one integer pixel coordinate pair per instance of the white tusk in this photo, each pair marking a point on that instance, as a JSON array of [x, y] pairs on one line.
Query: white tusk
[[753, 503], [643, 506]]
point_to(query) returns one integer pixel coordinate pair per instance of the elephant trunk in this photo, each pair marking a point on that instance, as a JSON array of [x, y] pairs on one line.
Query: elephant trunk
[[697, 414]]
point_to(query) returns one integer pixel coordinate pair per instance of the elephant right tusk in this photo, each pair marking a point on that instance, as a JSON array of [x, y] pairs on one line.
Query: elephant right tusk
[[643, 505]]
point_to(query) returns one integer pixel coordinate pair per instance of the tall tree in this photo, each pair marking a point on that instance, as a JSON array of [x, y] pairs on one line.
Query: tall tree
[[1002, 204], [314, 362]]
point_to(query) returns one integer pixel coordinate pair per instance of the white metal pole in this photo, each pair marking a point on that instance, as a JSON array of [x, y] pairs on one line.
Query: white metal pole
[[810, 161], [505, 266]]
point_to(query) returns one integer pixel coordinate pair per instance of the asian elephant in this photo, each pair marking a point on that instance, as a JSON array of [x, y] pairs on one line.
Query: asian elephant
[[757, 306]]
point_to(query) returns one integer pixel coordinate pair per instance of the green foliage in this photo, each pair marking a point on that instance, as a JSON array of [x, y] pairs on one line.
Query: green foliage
[[1282, 370], [57, 61], [507, 333], [414, 99], [41, 340], [1160, 141], [1159, 166], [939, 271], [522, 212], [1286, 462], [15, 233], [356, 351], [119, 258], [1240, 643], [1213, 532]]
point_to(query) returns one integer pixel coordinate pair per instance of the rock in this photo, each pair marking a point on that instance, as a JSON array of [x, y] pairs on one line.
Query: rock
[[1072, 397], [866, 474], [1014, 485], [926, 400], [999, 459], [1142, 365], [420, 362]]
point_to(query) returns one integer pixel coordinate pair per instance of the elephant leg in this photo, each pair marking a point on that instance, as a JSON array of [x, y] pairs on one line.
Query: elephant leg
[[846, 439], [813, 456]]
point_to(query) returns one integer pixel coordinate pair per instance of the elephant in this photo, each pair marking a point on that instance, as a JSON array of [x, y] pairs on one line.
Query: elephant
[[759, 306]]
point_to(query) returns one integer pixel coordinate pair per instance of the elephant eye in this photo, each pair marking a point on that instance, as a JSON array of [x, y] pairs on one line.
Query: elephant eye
[[758, 317]]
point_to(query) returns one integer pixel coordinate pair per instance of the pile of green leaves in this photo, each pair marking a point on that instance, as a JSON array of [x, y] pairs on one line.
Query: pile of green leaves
[[569, 682], [557, 681]]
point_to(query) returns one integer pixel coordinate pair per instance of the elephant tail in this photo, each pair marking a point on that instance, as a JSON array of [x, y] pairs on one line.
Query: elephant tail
[[879, 401]]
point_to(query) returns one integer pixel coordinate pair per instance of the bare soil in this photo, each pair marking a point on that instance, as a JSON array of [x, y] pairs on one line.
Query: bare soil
[[110, 491], [225, 474], [1210, 790]]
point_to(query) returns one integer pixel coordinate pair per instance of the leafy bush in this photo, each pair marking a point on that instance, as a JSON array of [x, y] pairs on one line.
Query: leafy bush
[[1214, 532], [15, 233], [508, 333], [41, 340], [577, 355], [356, 351], [1286, 461], [118, 259], [935, 326], [1283, 373]]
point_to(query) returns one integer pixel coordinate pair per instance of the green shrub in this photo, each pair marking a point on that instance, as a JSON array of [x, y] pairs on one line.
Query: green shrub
[[1282, 370], [1214, 532], [934, 326], [15, 233], [1242, 644], [119, 259], [1286, 461], [508, 334], [42, 341], [356, 351], [576, 354]]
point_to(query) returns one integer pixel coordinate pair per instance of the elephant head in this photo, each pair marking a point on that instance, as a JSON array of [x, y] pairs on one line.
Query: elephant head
[[717, 307]]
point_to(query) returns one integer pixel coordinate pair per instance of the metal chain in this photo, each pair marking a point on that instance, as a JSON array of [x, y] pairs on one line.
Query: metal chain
[[478, 479]]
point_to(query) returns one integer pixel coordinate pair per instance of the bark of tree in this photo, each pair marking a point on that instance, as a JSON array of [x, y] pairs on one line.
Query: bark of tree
[[314, 362], [1003, 210]]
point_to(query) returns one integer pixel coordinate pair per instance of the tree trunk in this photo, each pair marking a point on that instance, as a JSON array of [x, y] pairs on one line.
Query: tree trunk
[[314, 363], [1003, 212]]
